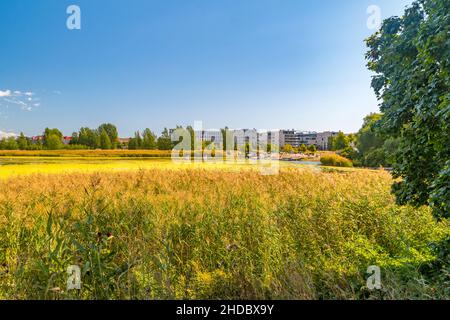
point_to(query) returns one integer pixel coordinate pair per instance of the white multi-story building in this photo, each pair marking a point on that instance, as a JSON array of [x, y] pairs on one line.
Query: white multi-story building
[[297, 138], [280, 138], [323, 139], [209, 136]]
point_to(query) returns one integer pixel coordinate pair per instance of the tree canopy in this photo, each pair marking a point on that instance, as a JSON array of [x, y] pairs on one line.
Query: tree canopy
[[339, 142], [164, 141], [111, 131], [410, 58]]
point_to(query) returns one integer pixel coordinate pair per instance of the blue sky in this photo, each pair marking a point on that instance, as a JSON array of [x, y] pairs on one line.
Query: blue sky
[[263, 64]]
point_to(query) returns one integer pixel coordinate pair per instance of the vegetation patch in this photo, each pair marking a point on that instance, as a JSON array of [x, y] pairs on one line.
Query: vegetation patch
[[195, 233], [335, 160]]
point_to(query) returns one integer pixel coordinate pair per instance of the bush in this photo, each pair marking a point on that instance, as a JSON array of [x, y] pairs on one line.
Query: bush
[[349, 153], [335, 160]]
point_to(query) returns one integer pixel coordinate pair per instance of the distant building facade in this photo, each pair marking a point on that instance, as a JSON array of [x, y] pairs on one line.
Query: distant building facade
[[297, 138], [323, 139], [281, 138]]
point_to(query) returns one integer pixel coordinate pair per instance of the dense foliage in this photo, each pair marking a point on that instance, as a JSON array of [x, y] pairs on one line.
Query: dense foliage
[[105, 137], [371, 147], [410, 56], [340, 142]]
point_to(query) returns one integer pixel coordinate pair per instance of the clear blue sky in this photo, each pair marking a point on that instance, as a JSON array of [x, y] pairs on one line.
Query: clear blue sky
[[263, 64]]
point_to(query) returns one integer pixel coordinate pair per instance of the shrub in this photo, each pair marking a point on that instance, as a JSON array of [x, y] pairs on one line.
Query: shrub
[[335, 161]]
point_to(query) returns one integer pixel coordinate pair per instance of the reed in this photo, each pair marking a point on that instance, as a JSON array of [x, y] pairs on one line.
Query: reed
[[194, 233]]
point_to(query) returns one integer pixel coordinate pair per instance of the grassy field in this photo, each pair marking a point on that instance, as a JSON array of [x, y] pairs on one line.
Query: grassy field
[[87, 153], [162, 231]]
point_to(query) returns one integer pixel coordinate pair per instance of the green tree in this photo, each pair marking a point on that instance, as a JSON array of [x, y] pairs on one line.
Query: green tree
[[75, 139], [148, 140], [136, 142], [89, 137], [192, 135], [105, 142], [164, 141], [339, 142], [303, 148], [312, 148], [288, 148], [9, 144], [368, 138], [132, 144], [22, 142], [53, 133], [372, 147], [410, 58], [53, 142], [111, 131]]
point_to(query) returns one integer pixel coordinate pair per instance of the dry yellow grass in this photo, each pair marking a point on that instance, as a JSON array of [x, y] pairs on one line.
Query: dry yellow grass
[[195, 233], [19, 166]]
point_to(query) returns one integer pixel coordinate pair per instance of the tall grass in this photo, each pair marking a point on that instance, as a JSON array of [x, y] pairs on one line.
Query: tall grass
[[212, 234]]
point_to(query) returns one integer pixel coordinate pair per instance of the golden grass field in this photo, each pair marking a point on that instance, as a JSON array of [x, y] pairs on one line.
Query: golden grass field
[[26, 165], [156, 230]]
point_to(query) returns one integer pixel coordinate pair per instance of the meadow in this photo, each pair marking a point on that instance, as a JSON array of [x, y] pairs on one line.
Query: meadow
[[154, 230], [88, 153], [26, 165]]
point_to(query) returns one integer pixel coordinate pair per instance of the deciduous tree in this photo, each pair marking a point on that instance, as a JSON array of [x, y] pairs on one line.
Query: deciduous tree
[[410, 58]]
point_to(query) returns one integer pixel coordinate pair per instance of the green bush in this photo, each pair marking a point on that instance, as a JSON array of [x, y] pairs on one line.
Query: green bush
[[335, 160]]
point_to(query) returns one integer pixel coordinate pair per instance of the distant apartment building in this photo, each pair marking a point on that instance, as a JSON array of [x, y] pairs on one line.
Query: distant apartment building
[[280, 137], [237, 136], [323, 139], [210, 136], [289, 137], [307, 138], [297, 138]]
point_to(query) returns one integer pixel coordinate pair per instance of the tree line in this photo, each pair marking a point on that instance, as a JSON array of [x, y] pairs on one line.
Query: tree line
[[311, 149], [104, 137], [409, 56]]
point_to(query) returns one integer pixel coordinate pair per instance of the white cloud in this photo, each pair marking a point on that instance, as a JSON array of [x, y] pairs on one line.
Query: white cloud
[[4, 135], [18, 102], [25, 100], [6, 93]]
